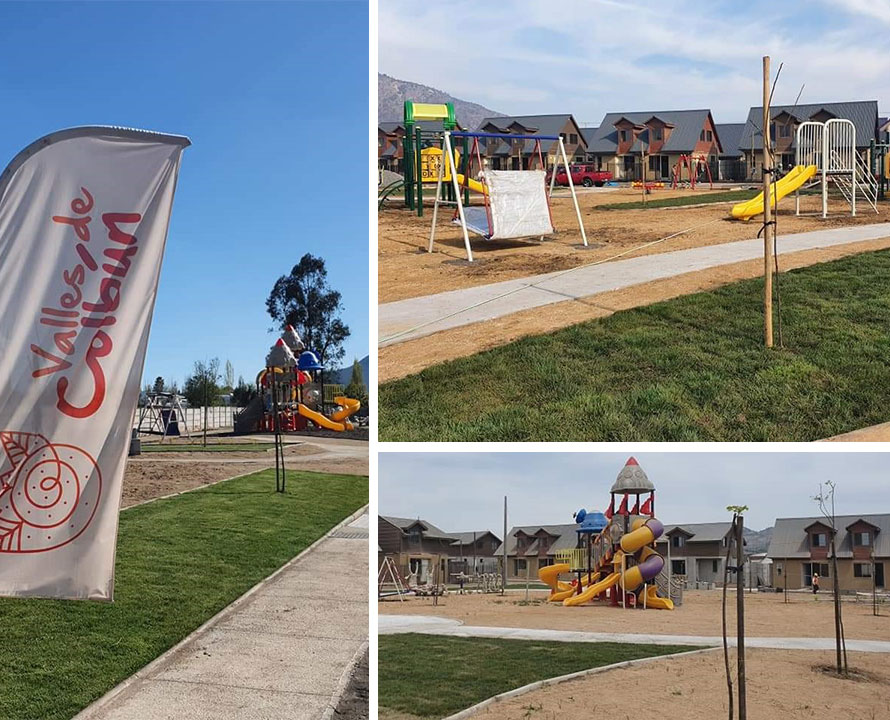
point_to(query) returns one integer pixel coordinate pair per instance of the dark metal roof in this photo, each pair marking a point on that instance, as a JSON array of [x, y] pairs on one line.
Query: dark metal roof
[[687, 129], [789, 539], [467, 537], [535, 124], [863, 114], [700, 532], [567, 537], [730, 138], [429, 530]]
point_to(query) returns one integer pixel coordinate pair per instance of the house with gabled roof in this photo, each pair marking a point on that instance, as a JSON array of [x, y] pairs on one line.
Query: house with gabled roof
[[784, 120], [474, 552], [696, 552], [519, 154], [416, 546], [800, 547], [624, 139], [531, 547]]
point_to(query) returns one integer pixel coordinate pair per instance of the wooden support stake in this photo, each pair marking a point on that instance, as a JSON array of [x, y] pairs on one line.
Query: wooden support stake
[[767, 214], [740, 611]]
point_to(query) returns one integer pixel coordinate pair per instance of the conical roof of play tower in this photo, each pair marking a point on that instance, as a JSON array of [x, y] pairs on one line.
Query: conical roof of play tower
[[632, 479]]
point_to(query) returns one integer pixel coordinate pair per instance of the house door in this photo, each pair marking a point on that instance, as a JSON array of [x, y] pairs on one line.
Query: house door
[[879, 574], [629, 161]]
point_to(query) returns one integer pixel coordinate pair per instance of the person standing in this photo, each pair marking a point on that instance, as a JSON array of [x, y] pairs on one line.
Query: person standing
[[815, 583]]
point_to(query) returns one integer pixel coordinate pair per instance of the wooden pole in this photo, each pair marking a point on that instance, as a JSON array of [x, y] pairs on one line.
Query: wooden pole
[[504, 569], [767, 215], [740, 613]]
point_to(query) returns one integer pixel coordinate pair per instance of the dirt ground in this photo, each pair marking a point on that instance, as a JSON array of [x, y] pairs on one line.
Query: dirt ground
[[153, 475], [407, 358], [766, 615], [406, 270], [780, 684]]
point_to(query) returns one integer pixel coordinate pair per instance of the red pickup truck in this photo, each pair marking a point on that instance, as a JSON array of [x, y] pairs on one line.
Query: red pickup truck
[[586, 175]]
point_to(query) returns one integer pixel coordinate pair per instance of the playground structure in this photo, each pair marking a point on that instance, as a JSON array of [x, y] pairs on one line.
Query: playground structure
[[825, 153], [516, 203], [615, 556], [695, 165], [291, 391], [163, 414]]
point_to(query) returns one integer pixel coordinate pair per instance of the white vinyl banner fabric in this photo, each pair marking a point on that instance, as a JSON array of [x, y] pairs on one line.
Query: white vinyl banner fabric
[[83, 223], [518, 200]]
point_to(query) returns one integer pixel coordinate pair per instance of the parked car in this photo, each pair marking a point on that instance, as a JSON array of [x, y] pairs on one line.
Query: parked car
[[586, 175]]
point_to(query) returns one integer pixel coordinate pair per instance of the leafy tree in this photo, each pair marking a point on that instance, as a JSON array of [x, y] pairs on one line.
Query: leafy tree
[[230, 376], [159, 385], [356, 387], [243, 393], [203, 382], [305, 300]]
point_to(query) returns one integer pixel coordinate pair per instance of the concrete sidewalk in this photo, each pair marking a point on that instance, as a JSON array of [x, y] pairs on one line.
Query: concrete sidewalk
[[431, 625], [284, 651], [425, 315]]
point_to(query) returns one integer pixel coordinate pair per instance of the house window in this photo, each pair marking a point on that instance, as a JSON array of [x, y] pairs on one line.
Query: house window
[[714, 565], [544, 562], [862, 570], [678, 541], [710, 135], [573, 139], [654, 163], [702, 136], [784, 131], [678, 567], [519, 566], [657, 134], [819, 540], [862, 539], [416, 535]]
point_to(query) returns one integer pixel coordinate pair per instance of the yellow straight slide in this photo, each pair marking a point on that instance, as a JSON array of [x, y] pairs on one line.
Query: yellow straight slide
[[788, 184], [564, 593], [593, 590], [474, 185]]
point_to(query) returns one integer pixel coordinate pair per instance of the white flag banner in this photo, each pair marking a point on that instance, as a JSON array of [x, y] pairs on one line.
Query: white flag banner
[[83, 223]]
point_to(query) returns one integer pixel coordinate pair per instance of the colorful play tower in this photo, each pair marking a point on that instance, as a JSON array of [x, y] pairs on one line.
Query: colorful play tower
[[615, 557]]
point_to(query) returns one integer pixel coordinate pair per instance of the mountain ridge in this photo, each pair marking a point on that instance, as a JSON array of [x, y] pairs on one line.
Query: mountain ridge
[[392, 93]]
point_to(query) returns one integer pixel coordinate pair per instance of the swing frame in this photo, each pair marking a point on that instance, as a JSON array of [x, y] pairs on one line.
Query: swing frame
[[448, 156]]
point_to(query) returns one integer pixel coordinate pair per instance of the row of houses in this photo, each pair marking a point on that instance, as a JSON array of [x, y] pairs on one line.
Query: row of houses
[[629, 143], [696, 552]]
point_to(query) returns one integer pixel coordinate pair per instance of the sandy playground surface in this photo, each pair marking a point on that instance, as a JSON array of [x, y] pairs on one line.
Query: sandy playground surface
[[153, 475], [766, 615], [781, 684], [406, 270]]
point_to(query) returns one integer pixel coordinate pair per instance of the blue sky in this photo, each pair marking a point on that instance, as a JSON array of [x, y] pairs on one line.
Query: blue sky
[[589, 57], [274, 97], [465, 491]]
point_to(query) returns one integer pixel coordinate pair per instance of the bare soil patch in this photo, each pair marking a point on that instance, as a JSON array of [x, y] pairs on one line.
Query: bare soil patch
[[406, 270], [407, 358], [766, 615], [781, 684], [154, 475]]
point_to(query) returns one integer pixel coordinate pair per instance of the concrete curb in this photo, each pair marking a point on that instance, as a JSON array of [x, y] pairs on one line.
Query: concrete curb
[[473, 709], [112, 694], [345, 678]]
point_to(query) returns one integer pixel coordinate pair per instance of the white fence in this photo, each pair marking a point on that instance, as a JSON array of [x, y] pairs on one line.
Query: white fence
[[217, 418]]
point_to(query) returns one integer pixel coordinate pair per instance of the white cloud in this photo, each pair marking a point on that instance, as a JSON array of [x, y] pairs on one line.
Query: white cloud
[[592, 58]]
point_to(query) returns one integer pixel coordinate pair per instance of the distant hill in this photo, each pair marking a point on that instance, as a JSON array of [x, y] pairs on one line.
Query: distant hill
[[757, 540], [342, 376], [392, 93]]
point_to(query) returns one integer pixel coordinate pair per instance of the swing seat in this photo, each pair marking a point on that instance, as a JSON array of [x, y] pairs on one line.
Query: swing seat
[[518, 206]]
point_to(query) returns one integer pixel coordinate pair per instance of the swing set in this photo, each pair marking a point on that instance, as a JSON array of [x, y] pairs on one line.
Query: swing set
[[694, 165], [516, 203]]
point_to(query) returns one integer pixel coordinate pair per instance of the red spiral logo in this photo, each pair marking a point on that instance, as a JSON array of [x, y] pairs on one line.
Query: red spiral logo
[[48, 493]]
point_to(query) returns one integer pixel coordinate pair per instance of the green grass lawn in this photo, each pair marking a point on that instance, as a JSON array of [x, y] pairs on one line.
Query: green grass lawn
[[179, 562], [215, 447], [692, 368], [430, 676], [653, 201]]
